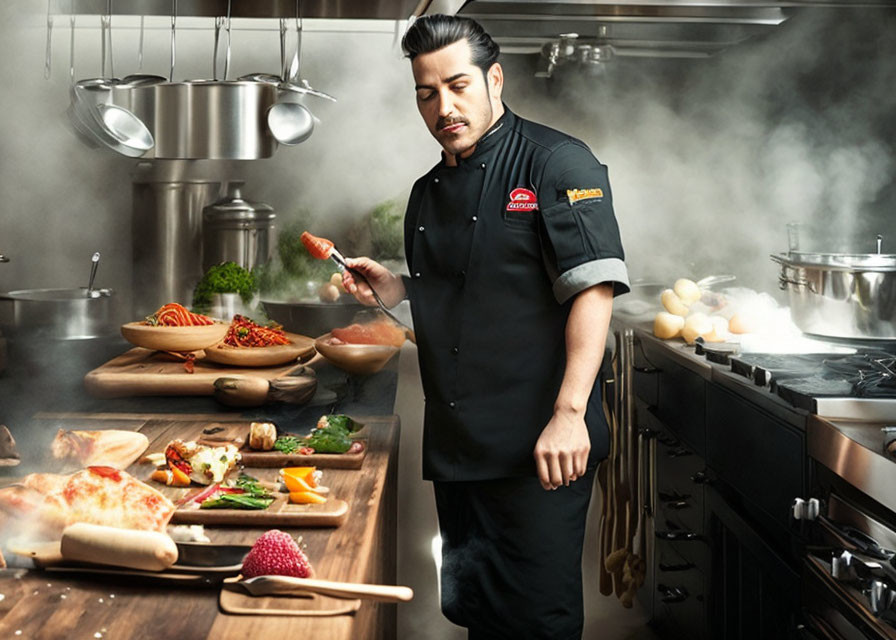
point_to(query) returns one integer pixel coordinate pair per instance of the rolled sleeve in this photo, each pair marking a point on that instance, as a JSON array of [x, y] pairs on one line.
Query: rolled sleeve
[[589, 274], [580, 236]]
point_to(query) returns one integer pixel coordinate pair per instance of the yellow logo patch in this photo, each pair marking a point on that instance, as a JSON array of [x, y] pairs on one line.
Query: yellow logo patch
[[576, 195]]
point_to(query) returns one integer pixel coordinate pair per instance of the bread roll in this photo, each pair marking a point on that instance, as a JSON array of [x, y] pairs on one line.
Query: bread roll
[[262, 436], [667, 325], [146, 550], [673, 303]]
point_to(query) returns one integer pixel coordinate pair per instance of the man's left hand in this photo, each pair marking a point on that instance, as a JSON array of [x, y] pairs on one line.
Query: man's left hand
[[561, 453]]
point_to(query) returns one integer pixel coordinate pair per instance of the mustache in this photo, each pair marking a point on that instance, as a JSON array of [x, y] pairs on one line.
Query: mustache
[[441, 123]]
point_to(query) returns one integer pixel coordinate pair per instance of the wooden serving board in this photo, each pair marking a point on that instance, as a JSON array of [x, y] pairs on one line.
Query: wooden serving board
[[281, 513], [238, 434], [235, 599], [142, 372]]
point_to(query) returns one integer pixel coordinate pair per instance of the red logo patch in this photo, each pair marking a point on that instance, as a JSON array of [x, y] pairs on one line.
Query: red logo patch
[[522, 200]]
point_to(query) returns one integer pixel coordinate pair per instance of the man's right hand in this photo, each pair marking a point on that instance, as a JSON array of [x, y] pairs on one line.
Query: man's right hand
[[388, 285]]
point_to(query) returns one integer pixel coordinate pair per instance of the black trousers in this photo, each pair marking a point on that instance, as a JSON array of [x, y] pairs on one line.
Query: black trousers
[[512, 557]]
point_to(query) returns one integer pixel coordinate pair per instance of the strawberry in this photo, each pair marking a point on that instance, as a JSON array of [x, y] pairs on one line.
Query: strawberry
[[276, 553]]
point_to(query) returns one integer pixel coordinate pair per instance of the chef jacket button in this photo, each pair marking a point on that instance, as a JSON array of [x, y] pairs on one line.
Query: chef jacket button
[[452, 404], [420, 228], [482, 166], [455, 350], [435, 179], [417, 274], [475, 218]]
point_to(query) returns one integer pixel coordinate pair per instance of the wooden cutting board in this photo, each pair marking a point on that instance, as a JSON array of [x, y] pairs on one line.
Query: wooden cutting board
[[237, 433], [281, 513], [142, 372]]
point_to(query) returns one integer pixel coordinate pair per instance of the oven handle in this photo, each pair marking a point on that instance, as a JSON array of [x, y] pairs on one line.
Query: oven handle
[[672, 595]]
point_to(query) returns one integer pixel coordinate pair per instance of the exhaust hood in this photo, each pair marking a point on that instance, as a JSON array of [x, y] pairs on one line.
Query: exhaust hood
[[595, 31]]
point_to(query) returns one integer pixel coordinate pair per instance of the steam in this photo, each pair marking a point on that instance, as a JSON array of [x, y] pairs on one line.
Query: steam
[[710, 159]]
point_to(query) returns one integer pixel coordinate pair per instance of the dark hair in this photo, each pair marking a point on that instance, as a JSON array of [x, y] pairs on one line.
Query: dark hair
[[434, 32]]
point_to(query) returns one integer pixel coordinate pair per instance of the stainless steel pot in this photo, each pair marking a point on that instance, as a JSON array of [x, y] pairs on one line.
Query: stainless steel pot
[[312, 318], [66, 314], [238, 230], [841, 295], [216, 120]]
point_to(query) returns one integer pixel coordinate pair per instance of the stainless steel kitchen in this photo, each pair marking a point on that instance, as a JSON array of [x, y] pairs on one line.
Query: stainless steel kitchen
[[218, 420]]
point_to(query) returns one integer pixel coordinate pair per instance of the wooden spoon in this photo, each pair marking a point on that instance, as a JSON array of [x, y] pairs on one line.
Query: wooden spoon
[[287, 585]]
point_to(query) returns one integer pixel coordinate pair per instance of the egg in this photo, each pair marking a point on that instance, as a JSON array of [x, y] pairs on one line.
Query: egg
[[667, 325], [687, 291], [673, 303]]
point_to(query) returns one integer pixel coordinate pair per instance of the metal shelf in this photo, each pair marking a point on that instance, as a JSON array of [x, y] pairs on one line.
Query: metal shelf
[[352, 9]]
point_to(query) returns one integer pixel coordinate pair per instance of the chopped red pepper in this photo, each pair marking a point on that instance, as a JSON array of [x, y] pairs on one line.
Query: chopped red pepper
[[106, 472], [319, 248]]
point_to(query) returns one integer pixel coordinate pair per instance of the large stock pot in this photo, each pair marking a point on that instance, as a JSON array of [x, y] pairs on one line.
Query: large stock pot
[[841, 295]]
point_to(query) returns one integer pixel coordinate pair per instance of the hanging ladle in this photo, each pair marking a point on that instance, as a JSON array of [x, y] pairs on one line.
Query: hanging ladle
[[94, 263], [289, 122]]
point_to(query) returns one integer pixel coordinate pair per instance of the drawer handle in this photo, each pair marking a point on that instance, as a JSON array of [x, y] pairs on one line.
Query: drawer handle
[[680, 452], [677, 505], [677, 535], [700, 478], [672, 497], [672, 595], [684, 566]]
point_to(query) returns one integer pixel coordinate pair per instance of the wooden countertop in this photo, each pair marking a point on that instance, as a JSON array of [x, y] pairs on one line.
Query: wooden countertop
[[43, 605]]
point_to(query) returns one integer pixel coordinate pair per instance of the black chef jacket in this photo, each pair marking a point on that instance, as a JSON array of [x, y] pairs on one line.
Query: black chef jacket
[[497, 247]]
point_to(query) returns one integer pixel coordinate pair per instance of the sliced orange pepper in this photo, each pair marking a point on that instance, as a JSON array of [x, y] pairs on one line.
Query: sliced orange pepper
[[306, 497], [299, 478]]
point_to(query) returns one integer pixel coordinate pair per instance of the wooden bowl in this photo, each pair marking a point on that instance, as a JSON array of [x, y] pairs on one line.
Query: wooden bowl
[[299, 346], [161, 338], [361, 359]]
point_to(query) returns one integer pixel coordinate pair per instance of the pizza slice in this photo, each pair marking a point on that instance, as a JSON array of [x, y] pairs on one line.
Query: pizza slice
[[97, 495]]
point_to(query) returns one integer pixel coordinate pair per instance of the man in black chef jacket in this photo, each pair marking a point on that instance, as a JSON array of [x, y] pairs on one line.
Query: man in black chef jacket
[[514, 258]]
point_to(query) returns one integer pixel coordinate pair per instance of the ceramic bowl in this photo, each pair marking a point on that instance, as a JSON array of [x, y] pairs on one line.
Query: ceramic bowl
[[181, 339], [361, 359]]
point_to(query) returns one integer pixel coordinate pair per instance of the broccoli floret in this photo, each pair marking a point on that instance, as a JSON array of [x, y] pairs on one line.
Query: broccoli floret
[[227, 277]]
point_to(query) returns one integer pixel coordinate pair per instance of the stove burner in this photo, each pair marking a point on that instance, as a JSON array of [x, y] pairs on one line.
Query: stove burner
[[872, 374]]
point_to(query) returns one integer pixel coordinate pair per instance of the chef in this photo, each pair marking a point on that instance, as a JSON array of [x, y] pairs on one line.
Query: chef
[[514, 258]]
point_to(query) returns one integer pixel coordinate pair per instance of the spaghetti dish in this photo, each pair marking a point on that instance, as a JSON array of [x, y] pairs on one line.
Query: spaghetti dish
[[245, 333], [175, 315]]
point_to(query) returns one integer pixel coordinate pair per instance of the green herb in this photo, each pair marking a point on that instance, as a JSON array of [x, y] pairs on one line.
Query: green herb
[[386, 223], [287, 444], [237, 501], [227, 277], [340, 421], [255, 496], [331, 440]]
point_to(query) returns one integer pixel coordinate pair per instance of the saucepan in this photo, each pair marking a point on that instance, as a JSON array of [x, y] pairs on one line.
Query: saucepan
[[66, 314], [841, 295]]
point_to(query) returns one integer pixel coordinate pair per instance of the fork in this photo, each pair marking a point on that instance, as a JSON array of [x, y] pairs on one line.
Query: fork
[[339, 259]]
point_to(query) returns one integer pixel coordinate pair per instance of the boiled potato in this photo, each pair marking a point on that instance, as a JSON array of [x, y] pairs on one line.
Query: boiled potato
[[743, 322], [687, 291], [667, 325], [328, 293], [336, 281], [696, 325], [673, 303], [720, 326]]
